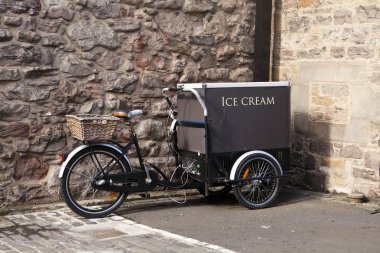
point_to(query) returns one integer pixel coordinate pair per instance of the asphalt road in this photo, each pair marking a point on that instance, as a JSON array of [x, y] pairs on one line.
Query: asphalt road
[[299, 221]]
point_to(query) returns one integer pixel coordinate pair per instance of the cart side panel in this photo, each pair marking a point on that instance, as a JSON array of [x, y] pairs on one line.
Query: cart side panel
[[242, 119], [189, 138]]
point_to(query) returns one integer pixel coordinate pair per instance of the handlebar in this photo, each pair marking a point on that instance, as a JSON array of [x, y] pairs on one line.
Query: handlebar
[[200, 100], [164, 90]]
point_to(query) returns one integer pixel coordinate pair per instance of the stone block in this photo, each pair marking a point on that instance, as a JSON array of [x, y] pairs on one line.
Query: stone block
[[92, 33], [319, 71], [335, 90], [372, 160], [152, 80], [365, 104], [337, 52], [360, 52], [299, 24], [342, 16], [74, 67], [201, 39], [215, 74], [12, 21], [92, 107], [246, 45], [121, 82], [365, 173], [333, 162], [321, 147], [110, 60], [322, 100], [126, 26], [351, 151], [9, 74], [5, 35], [29, 37], [241, 75], [180, 47], [37, 72], [312, 53], [160, 109], [178, 65], [150, 129], [21, 92], [61, 11], [13, 112], [169, 4], [103, 9], [48, 26], [191, 6], [368, 13], [32, 7], [323, 20], [227, 5], [30, 168], [53, 40], [375, 134], [308, 3], [20, 130], [17, 53]]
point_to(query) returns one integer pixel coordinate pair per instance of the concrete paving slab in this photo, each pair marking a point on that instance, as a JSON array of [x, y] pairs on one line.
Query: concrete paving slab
[[61, 231]]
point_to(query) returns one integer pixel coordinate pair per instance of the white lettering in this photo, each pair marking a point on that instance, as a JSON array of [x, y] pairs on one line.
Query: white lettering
[[270, 101], [244, 99], [228, 99], [247, 101]]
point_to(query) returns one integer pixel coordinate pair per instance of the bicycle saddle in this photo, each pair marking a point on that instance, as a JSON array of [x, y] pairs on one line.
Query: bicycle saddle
[[127, 114]]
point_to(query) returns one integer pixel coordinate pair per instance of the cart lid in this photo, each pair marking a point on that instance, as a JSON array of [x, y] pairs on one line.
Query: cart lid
[[232, 85]]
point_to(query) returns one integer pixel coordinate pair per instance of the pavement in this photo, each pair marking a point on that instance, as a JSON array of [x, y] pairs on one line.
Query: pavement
[[54, 228]]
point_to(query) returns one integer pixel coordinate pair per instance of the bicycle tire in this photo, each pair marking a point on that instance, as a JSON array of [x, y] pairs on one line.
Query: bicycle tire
[[256, 194], [76, 188]]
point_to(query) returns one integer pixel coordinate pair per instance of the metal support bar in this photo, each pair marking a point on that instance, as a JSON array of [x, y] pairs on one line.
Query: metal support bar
[[236, 181], [188, 123]]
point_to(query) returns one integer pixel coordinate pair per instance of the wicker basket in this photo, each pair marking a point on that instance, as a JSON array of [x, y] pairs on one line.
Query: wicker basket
[[88, 127]]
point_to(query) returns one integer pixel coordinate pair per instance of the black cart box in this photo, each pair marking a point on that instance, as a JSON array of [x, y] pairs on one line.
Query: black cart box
[[239, 117]]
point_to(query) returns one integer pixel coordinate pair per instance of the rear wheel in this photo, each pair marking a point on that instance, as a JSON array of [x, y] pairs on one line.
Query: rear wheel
[[86, 167], [258, 193]]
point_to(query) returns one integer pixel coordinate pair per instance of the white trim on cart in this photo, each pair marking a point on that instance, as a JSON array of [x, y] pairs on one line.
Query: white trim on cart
[[232, 85]]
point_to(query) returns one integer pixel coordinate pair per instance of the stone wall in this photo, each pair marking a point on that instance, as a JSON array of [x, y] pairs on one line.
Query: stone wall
[[61, 57], [330, 52]]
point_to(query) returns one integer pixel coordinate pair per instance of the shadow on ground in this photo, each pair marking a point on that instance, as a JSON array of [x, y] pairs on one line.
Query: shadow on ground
[[286, 197]]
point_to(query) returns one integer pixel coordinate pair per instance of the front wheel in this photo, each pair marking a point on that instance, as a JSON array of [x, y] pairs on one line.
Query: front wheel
[[86, 167], [257, 193]]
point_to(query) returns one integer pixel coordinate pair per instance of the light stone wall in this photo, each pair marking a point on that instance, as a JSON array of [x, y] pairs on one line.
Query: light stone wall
[[62, 57], [329, 50]]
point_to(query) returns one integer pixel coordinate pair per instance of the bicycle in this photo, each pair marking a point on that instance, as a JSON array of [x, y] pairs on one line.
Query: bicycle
[[97, 176]]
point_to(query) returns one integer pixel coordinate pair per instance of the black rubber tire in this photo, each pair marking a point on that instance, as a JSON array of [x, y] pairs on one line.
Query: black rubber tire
[[95, 206], [256, 194], [216, 192]]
